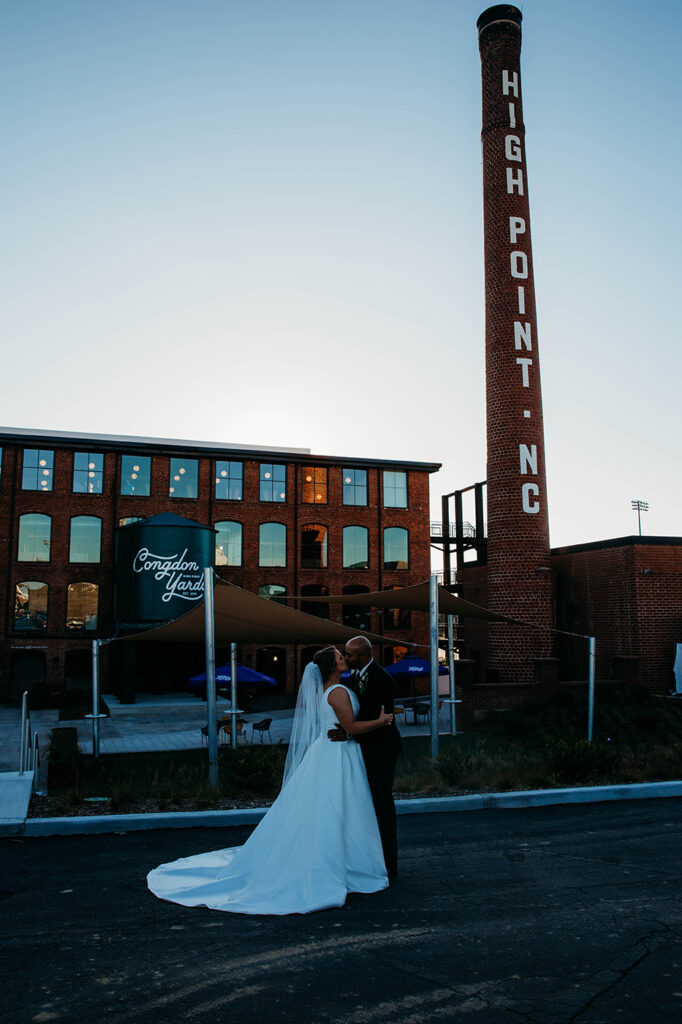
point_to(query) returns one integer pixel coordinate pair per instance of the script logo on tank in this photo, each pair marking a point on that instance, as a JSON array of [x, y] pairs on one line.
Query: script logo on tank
[[179, 576]]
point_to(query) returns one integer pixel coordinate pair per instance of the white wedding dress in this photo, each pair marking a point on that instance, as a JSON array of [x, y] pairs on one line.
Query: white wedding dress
[[318, 842]]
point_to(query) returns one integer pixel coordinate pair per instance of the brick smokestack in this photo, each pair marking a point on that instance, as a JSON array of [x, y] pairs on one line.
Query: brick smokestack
[[519, 583]]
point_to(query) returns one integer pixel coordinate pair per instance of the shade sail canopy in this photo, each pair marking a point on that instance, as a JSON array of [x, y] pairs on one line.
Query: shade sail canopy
[[242, 617], [417, 599]]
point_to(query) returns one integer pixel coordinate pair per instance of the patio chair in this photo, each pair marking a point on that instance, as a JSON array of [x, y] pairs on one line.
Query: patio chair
[[225, 729], [204, 732], [399, 711], [261, 727], [421, 709]]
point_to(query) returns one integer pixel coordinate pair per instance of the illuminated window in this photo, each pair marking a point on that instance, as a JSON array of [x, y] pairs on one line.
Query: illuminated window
[[314, 485], [88, 472], [229, 478], [86, 539], [273, 482], [130, 519], [38, 470], [272, 544], [355, 547], [82, 601], [395, 548], [395, 489], [313, 546], [355, 486], [136, 472], [184, 478], [228, 543], [30, 606], [34, 538]]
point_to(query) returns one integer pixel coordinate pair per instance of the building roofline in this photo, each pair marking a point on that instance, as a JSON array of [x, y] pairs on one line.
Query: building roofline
[[123, 442], [619, 542]]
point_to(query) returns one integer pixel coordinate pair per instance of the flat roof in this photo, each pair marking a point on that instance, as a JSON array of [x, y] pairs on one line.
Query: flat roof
[[121, 442], [619, 542]]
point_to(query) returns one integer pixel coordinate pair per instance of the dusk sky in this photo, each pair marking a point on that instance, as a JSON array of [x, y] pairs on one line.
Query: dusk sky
[[260, 222]]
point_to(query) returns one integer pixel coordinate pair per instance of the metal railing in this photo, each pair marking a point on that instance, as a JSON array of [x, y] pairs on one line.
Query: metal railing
[[29, 749], [437, 530]]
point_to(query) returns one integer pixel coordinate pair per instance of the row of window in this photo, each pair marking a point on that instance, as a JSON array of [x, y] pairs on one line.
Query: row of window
[[183, 479], [85, 543], [82, 606]]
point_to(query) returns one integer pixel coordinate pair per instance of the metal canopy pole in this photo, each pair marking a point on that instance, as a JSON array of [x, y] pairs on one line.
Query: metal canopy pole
[[451, 670], [210, 680], [433, 623], [95, 715], [234, 710], [590, 708]]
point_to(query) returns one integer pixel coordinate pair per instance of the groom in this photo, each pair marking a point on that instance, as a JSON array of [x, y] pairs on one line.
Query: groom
[[374, 689]]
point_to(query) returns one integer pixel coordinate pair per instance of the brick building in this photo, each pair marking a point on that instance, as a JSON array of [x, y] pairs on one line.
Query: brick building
[[287, 523]]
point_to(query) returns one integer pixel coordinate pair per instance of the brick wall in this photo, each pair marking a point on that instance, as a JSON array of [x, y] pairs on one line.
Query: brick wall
[[162, 671]]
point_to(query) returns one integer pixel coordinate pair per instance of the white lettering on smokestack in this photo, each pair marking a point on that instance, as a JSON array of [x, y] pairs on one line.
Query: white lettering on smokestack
[[522, 299], [510, 84], [519, 264], [517, 226], [526, 492], [512, 116], [512, 147], [514, 181], [528, 457], [522, 336], [524, 364]]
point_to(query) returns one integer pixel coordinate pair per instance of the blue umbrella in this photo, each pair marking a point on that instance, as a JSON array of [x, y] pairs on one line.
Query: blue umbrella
[[413, 667], [245, 676]]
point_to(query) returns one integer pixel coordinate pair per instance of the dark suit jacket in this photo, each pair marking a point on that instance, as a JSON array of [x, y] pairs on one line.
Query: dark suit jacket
[[378, 693]]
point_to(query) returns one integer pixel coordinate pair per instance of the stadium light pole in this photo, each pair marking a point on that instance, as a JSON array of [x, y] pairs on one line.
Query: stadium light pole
[[639, 507]]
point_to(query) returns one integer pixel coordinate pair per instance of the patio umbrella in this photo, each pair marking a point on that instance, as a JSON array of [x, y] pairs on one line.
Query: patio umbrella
[[245, 677], [414, 667]]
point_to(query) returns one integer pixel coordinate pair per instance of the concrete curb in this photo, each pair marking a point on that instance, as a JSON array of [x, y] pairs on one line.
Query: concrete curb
[[433, 805]]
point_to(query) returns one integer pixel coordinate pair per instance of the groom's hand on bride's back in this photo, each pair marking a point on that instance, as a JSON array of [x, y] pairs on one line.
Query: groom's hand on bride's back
[[337, 734]]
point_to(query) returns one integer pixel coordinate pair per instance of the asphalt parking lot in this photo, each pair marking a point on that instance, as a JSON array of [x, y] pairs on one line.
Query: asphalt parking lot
[[554, 914]]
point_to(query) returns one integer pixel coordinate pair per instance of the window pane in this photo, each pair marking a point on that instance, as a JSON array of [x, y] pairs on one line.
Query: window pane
[[313, 546], [228, 480], [38, 470], [314, 485], [130, 519], [312, 607], [395, 548], [88, 472], [228, 543], [273, 482], [396, 618], [272, 544], [357, 616], [184, 478], [86, 539], [30, 606], [82, 601], [135, 474], [34, 538], [355, 547], [272, 592], [355, 486], [395, 489]]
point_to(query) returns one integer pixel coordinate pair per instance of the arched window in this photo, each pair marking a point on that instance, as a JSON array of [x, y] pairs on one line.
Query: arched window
[[34, 538], [30, 606], [228, 543], [313, 546], [355, 547], [396, 548], [396, 618], [272, 544], [82, 605], [86, 539], [272, 592], [320, 609], [357, 616]]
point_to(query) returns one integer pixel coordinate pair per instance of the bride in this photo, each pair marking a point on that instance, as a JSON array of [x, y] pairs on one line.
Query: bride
[[319, 840]]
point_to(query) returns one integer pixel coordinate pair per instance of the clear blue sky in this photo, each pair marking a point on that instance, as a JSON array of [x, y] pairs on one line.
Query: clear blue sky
[[260, 221]]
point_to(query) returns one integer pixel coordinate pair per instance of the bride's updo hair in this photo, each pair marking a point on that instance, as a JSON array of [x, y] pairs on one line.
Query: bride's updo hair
[[326, 662]]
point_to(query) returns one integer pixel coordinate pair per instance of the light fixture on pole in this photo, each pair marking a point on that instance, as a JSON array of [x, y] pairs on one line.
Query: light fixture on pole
[[640, 506]]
